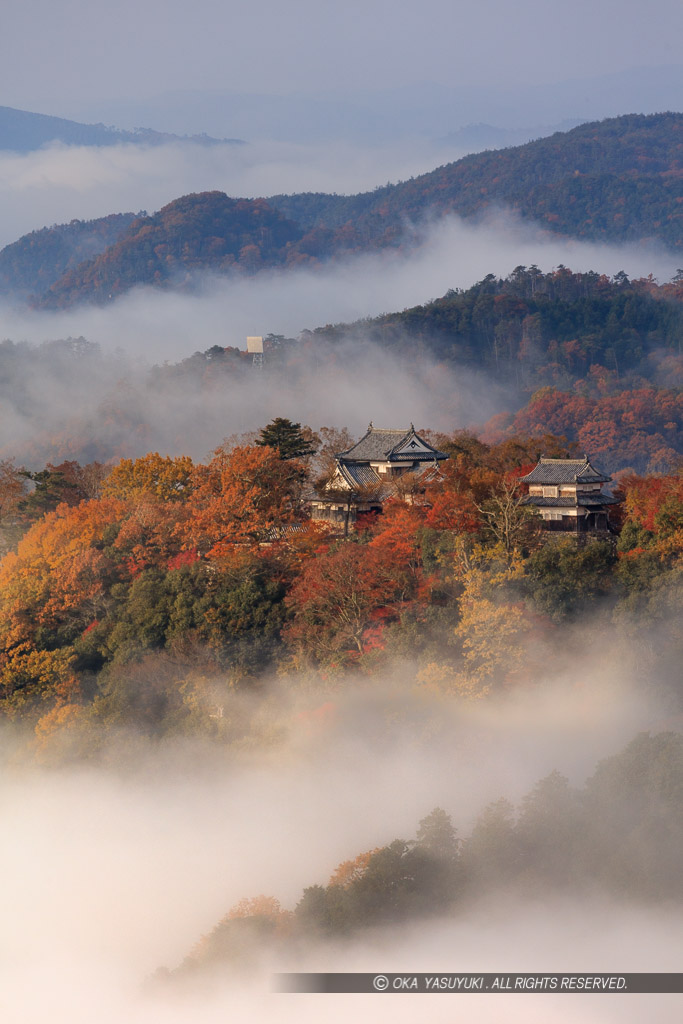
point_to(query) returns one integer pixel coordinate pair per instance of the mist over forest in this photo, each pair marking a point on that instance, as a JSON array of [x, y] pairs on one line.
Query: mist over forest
[[255, 718]]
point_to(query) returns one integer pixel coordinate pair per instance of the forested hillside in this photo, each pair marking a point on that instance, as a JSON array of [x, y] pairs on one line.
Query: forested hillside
[[616, 180], [30, 265], [146, 594], [208, 231], [598, 360], [537, 328]]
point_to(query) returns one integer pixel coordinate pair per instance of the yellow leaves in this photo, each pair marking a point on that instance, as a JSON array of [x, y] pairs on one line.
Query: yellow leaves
[[492, 636], [487, 568], [256, 906], [493, 621], [64, 730], [446, 679], [27, 675], [153, 476]]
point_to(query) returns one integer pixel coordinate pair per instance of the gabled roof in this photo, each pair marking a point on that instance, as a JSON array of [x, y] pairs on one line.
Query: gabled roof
[[565, 471], [379, 445]]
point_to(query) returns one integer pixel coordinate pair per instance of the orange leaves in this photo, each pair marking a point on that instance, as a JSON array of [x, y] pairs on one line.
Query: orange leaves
[[152, 477], [256, 906], [396, 538], [641, 428], [649, 499], [12, 488], [239, 497], [149, 533], [58, 563], [264, 908], [349, 871], [452, 511]]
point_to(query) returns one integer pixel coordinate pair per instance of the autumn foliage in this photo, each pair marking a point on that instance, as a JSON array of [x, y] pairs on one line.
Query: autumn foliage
[[214, 570]]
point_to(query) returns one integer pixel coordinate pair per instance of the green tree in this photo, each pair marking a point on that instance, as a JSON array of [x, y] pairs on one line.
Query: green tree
[[290, 440], [564, 579], [490, 854], [437, 836], [51, 488]]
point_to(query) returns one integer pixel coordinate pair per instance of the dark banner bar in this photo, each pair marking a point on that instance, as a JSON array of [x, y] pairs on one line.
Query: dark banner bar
[[557, 983]]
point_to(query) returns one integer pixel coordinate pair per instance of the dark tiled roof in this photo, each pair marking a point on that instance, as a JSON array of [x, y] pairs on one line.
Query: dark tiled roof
[[570, 501], [409, 456], [378, 445], [564, 471], [540, 502], [598, 499], [361, 475]]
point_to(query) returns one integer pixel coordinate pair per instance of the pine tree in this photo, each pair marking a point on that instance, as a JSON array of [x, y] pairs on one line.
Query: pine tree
[[287, 438]]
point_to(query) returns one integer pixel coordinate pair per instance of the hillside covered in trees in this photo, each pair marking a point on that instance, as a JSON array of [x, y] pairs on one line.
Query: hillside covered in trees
[[30, 265], [593, 359], [616, 180], [148, 594], [208, 231]]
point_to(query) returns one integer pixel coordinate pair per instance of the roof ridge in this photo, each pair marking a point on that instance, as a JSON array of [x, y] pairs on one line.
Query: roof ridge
[[581, 462], [390, 430]]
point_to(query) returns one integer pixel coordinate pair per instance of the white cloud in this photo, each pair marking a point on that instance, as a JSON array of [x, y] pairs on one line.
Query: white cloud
[[342, 387], [116, 871], [60, 183], [453, 254]]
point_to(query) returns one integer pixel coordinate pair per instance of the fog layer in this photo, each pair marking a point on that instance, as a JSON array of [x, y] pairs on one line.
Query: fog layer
[[451, 254], [116, 871], [59, 183]]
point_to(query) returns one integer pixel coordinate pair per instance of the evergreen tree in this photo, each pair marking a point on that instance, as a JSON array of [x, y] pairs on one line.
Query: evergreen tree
[[287, 438]]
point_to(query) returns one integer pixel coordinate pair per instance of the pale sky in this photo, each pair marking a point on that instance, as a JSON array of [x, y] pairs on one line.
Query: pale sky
[[55, 56]]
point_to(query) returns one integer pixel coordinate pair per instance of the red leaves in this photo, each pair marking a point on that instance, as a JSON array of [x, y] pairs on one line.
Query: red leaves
[[646, 497], [642, 427], [334, 599], [183, 558]]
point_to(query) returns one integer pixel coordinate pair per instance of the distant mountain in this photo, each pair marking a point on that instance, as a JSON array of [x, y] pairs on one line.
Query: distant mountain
[[473, 138], [617, 180], [33, 263], [22, 131], [206, 231]]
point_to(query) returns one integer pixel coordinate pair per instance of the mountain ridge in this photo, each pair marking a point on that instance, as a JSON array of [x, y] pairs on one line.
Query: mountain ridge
[[617, 180], [22, 131]]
